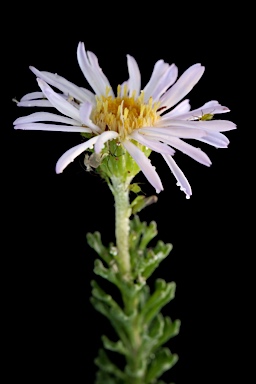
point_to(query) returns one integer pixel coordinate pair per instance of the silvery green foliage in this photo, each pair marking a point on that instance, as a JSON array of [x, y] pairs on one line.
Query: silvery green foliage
[[141, 328]]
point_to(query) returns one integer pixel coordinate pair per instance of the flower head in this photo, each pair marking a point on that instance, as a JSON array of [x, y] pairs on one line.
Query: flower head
[[136, 120]]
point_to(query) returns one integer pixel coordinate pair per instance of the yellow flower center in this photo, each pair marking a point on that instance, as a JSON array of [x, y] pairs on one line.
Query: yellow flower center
[[124, 114]]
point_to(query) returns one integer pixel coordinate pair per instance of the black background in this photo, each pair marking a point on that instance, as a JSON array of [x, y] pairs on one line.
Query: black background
[[52, 330]]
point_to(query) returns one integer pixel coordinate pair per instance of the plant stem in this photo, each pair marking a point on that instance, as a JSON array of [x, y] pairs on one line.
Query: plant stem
[[137, 320], [120, 191], [122, 229]]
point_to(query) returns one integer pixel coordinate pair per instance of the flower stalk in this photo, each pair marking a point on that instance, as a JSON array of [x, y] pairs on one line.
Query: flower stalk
[[122, 230], [120, 191], [140, 327]]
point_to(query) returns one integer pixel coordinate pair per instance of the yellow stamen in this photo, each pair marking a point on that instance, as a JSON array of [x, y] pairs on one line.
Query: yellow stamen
[[123, 114]]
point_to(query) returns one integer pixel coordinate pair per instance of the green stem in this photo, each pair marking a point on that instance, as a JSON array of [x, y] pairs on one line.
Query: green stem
[[120, 191], [137, 320]]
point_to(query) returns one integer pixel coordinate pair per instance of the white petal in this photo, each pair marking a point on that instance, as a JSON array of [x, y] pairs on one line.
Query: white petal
[[32, 96], [216, 139], [155, 145], [183, 85], [145, 165], [217, 125], [196, 114], [95, 65], [34, 103], [211, 125], [45, 116], [79, 93], [88, 63], [85, 112], [195, 153], [91, 96], [162, 132], [64, 85], [165, 82], [215, 104], [58, 102], [52, 127], [124, 85], [159, 70], [182, 181], [211, 103], [105, 136], [72, 153], [87, 70], [134, 76], [182, 107]]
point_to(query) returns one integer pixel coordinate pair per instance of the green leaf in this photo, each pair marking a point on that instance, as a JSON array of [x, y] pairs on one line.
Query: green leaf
[[105, 378], [164, 293], [141, 202], [150, 339], [144, 261], [115, 346], [107, 273], [148, 234], [160, 331], [136, 230], [99, 294], [137, 372], [144, 295], [157, 327], [104, 363], [118, 325], [114, 310], [171, 329], [141, 233], [161, 247], [153, 258], [94, 240], [100, 307], [161, 362]]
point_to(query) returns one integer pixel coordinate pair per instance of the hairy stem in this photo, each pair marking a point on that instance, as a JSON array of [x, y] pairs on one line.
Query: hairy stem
[[120, 191]]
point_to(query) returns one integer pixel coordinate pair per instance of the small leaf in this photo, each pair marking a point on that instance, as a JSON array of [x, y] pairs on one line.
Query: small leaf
[[163, 294], [136, 230], [105, 378], [99, 294], [104, 363], [157, 327], [106, 273], [94, 240], [151, 339], [100, 307], [171, 329], [154, 258], [115, 346], [141, 233], [144, 295], [137, 200], [118, 326], [137, 373], [141, 202], [149, 233], [114, 310], [162, 362]]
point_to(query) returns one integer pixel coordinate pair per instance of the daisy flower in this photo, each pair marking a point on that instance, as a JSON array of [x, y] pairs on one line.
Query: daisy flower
[[139, 121]]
